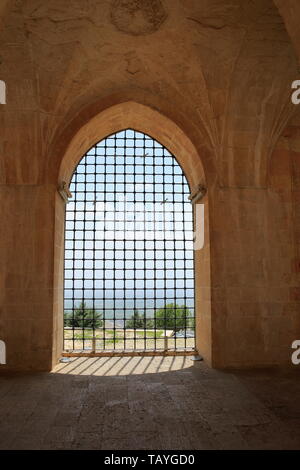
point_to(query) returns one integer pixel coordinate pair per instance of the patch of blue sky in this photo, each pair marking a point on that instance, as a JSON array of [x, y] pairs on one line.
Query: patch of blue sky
[[157, 185]]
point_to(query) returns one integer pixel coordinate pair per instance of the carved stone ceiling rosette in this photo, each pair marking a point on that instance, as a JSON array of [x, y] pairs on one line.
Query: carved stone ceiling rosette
[[138, 17]]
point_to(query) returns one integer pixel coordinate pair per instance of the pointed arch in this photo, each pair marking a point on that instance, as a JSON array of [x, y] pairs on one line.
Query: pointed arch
[[146, 120], [129, 261], [142, 118]]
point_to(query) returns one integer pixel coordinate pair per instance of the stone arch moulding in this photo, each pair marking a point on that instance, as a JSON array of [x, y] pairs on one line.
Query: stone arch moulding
[[143, 119]]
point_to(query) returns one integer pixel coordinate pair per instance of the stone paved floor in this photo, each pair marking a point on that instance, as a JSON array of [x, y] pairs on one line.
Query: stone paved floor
[[149, 403]]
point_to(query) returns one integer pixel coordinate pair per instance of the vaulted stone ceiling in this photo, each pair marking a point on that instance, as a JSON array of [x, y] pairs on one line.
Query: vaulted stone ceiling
[[222, 69], [290, 12]]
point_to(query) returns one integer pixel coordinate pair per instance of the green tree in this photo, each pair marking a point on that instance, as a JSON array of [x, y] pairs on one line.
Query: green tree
[[84, 317], [138, 321], [174, 317]]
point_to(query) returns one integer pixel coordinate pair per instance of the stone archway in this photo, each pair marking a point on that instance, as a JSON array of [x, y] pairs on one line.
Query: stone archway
[[144, 119]]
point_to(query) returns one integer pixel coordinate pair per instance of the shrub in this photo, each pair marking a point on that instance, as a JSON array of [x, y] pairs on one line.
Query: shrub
[[84, 317], [174, 317]]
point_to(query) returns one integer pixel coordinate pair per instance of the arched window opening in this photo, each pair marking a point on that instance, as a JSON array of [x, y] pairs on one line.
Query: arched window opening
[[129, 262]]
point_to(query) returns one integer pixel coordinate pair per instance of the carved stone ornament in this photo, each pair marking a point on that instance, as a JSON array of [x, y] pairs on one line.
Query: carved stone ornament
[[138, 17], [64, 191], [197, 193]]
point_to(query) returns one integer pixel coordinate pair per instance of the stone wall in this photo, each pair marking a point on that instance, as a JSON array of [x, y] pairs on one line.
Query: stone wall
[[217, 75]]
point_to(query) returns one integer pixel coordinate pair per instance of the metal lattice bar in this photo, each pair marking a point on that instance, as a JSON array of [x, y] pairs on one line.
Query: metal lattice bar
[[129, 267]]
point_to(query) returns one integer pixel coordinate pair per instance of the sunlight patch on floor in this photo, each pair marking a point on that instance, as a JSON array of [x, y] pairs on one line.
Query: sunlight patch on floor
[[112, 366]]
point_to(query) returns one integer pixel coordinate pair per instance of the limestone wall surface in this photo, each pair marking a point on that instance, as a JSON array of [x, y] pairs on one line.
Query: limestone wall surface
[[217, 76]]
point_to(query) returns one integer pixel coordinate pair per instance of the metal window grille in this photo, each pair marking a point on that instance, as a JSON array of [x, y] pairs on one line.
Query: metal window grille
[[129, 262]]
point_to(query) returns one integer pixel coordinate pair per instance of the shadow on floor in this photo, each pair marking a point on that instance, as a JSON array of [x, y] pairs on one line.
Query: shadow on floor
[[149, 403]]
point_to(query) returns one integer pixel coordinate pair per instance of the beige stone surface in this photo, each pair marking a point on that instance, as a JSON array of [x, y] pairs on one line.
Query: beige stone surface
[[212, 81], [149, 403]]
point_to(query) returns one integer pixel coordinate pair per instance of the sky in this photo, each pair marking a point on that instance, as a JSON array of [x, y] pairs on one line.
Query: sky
[[129, 229]]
